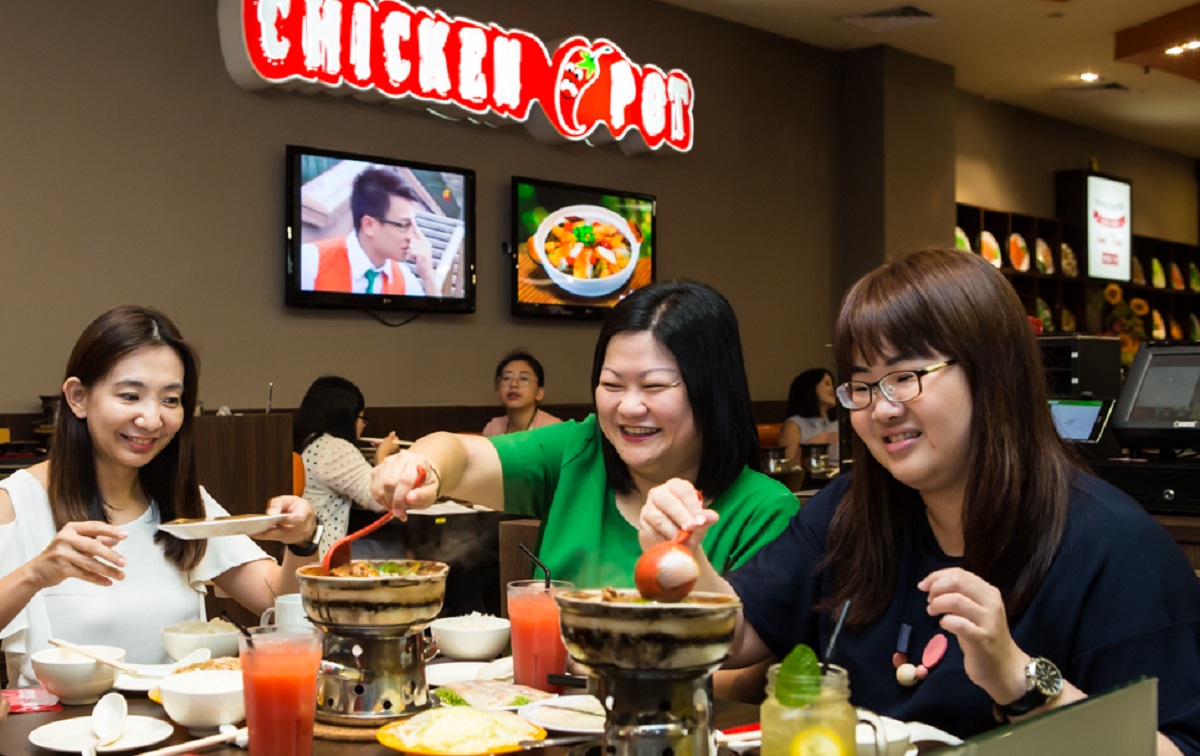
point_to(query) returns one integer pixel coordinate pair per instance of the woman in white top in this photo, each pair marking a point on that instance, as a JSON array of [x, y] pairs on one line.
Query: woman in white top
[[81, 556], [520, 386], [336, 474], [811, 411]]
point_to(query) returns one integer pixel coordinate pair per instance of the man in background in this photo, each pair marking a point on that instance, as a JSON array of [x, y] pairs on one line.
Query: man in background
[[368, 259]]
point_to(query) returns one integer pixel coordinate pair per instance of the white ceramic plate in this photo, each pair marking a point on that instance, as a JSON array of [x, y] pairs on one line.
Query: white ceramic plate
[[451, 672], [502, 668], [71, 735], [191, 530], [566, 714]]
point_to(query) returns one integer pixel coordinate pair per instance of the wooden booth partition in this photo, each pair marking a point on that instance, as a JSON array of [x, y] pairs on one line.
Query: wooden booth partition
[[243, 461]]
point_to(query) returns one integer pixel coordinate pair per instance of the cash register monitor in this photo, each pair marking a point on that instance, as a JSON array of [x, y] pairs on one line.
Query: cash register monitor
[[1159, 407], [1081, 419]]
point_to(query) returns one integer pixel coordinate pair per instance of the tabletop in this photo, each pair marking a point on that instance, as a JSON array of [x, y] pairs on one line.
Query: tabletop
[[14, 731]]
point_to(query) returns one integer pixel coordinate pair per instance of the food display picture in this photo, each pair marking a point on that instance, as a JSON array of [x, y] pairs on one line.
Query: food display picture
[[578, 250]]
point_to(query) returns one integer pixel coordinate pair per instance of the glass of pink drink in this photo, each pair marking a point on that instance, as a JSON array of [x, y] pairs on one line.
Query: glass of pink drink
[[537, 644]]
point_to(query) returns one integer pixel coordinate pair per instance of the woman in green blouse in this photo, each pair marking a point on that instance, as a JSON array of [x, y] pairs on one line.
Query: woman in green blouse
[[671, 402]]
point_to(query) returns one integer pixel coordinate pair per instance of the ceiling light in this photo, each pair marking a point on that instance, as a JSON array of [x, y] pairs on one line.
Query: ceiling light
[[1176, 50], [1090, 77], [1193, 45]]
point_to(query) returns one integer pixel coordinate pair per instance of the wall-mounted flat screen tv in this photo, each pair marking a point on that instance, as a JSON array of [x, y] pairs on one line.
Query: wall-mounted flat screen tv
[[370, 232], [578, 250]]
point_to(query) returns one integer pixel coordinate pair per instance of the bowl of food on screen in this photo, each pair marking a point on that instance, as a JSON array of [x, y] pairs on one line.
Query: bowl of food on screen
[[586, 250]]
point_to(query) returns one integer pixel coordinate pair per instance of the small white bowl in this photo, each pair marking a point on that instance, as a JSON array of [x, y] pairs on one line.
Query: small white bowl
[[180, 640], [203, 700], [75, 678], [471, 638]]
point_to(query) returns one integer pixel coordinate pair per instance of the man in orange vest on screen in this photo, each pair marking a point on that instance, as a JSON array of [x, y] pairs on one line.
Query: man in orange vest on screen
[[368, 259]]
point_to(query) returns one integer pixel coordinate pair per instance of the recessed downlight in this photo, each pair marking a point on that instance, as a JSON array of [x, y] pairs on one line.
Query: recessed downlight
[[1090, 77], [1176, 50]]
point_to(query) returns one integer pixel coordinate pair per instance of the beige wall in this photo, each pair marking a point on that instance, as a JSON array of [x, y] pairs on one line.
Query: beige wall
[[1007, 158], [136, 171]]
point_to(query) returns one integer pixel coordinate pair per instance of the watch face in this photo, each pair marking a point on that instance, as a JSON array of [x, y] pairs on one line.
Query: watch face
[[1045, 677]]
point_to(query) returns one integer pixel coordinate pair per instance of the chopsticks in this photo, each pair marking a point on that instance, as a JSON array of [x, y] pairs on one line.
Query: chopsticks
[[126, 668], [192, 745]]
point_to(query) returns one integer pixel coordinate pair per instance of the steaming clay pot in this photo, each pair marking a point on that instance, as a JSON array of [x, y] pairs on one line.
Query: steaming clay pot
[[617, 629], [368, 602]]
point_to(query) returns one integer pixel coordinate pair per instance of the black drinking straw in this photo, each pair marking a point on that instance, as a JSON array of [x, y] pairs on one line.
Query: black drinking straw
[[536, 561], [833, 638], [239, 626]]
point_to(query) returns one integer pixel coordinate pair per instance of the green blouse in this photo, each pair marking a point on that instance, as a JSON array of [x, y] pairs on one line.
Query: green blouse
[[556, 474]]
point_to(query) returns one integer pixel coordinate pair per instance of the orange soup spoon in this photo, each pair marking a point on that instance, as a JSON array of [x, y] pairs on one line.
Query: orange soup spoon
[[339, 553]]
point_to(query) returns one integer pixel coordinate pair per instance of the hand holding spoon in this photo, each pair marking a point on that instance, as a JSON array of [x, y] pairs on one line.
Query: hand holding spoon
[[339, 552], [667, 571]]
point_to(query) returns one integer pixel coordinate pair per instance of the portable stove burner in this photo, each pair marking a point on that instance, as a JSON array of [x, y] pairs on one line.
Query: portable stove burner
[[370, 676], [656, 713], [651, 666]]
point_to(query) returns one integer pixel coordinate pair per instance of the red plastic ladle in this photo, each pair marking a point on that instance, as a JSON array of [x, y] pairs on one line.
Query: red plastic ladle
[[667, 571], [339, 552]]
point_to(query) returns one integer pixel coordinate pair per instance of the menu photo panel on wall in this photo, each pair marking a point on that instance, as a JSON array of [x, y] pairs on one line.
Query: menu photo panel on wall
[[1103, 204], [578, 250], [369, 232]]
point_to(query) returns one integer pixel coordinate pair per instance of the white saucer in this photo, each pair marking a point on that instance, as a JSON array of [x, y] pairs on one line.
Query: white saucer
[[451, 672], [501, 669], [191, 530], [71, 735], [569, 714]]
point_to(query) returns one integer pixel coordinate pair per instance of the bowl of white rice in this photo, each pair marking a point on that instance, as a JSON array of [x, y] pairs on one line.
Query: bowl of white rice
[[471, 637], [217, 635]]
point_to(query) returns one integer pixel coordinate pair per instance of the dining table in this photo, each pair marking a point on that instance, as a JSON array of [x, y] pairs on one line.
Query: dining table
[[14, 731]]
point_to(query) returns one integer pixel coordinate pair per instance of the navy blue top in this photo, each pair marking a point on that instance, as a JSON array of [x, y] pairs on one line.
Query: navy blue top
[[1120, 602]]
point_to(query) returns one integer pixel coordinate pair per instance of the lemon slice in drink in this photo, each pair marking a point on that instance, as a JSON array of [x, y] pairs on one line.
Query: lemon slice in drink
[[818, 741]]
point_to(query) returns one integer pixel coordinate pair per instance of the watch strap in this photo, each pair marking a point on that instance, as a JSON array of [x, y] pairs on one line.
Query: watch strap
[[310, 548], [1044, 681]]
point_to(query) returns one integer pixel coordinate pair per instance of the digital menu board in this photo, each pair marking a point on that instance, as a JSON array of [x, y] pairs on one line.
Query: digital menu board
[[1108, 227]]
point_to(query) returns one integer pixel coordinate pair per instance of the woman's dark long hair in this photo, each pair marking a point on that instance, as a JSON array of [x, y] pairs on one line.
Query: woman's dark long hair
[[1018, 470], [169, 480], [696, 324], [331, 405], [802, 396]]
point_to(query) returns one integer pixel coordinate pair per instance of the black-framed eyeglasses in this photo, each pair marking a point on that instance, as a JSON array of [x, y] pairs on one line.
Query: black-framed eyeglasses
[[900, 386], [362, 418], [404, 225]]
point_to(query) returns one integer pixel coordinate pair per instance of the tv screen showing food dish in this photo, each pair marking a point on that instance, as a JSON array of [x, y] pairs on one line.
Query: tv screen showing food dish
[[370, 232], [1159, 407], [578, 250]]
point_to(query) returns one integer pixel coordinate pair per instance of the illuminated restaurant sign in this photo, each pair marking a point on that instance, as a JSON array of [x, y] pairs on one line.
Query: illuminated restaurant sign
[[390, 49]]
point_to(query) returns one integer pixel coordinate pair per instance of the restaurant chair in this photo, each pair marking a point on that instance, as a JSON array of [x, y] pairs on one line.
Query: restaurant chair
[[297, 475], [768, 434], [514, 563]]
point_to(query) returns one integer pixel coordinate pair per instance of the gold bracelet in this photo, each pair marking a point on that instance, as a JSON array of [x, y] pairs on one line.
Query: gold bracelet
[[437, 475]]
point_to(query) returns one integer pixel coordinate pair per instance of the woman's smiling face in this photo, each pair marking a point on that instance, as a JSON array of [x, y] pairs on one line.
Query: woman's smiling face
[[133, 412], [925, 442], [644, 411]]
